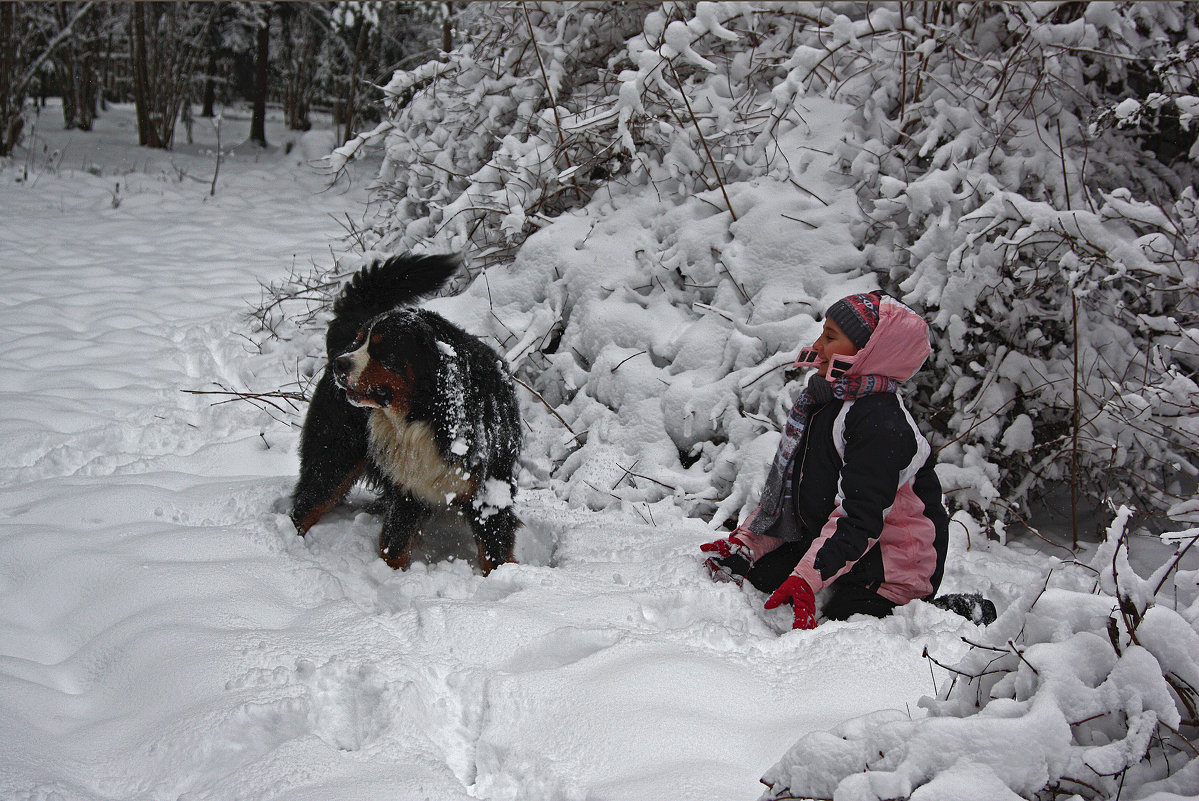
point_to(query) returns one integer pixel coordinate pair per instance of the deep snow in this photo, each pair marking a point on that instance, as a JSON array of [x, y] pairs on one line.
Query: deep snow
[[164, 633]]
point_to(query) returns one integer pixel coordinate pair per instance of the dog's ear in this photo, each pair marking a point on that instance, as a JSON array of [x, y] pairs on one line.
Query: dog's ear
[[340, 337]]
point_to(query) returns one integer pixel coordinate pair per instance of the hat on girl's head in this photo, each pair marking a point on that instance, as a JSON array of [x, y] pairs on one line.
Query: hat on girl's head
[[857, 316]]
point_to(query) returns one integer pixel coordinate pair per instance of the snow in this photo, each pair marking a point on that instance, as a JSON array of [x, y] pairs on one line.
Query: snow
[[165, 634]]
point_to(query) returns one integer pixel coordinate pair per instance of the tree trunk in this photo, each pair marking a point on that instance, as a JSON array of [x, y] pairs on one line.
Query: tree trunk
[[11, 100], [209, 100], [299, 39], [261, 76], [351, 106], [164, 39], [447, 28], [141, 88], [75, 68]]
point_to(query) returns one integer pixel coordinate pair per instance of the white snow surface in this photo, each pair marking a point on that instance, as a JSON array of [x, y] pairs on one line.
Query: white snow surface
[[164, 634]]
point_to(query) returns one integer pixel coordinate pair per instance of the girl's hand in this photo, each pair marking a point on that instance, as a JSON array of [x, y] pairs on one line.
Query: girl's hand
[[802, 599], [730, 546]]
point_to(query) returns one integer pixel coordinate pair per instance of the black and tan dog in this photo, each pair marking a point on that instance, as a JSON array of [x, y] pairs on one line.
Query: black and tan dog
[[415, 405]]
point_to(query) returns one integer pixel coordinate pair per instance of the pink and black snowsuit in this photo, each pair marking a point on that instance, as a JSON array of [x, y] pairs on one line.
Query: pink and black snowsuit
[[852, 499]]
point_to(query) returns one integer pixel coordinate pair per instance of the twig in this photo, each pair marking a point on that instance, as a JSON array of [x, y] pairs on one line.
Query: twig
[[265, 397], [635, 355], [1174, 565], [546, 403], [1180, 736], [1020, 654], [971, 676], [703, 140]]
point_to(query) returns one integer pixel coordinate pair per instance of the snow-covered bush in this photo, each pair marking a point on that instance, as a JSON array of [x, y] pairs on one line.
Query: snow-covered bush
[[655, 258], [1056, 256], [662, 201], [1076, 691]]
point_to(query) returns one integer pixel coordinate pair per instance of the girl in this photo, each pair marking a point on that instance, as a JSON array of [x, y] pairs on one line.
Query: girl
[[851, 501]]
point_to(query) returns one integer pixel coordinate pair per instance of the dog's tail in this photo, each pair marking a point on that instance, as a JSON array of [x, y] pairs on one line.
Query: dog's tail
[[381, 287]]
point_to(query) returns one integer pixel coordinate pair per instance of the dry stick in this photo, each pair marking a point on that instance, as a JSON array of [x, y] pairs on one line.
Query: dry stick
[[1074, 323], [249, 396], [703, 140], [1020, 654], [627, 471], [255, 399], [546, 80], [635, 355], [1180, 736], [971, 676], [217, 171], [1174, 565], [547, 404]]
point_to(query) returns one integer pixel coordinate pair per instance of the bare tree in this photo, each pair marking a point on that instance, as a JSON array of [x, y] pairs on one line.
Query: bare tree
[[79, 61], [262, 72], [302, 27], [165, 40]]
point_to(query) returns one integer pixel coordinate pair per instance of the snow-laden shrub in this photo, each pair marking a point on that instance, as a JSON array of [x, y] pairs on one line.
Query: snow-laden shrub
[[665, 198], [1056, 255], [656, 258], [1081, 692]]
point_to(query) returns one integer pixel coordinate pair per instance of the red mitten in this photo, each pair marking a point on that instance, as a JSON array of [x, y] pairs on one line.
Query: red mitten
[[803, 601], [728, 547]]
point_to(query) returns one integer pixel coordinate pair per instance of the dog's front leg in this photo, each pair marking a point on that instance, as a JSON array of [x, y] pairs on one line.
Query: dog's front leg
[[495, 534], [332, 454], [401, 527]]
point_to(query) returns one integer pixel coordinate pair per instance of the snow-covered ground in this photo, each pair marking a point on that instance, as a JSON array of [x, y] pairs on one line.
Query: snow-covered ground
[[164, 634]]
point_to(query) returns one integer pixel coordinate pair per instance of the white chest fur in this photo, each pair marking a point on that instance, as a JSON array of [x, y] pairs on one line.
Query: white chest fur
[[408, 453]]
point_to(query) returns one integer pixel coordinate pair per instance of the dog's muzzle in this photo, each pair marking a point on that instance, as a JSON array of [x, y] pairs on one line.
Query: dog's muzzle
[[370, 396]]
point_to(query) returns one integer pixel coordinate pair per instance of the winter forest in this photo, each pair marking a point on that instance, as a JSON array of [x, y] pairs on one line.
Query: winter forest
[[655, 203]]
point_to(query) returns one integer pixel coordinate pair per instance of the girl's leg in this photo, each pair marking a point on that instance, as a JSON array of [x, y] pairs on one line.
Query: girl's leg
[[772, 569], [854, 599]]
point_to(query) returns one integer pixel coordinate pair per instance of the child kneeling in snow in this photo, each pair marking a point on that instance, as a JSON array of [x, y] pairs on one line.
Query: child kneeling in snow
[[851, 501]]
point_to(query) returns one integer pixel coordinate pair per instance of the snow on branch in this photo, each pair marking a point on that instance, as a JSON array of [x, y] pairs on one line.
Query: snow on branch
[[1075, 692]]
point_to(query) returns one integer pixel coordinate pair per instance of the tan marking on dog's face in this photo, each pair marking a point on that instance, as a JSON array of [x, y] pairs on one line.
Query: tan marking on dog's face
[[368, 383], [399, 386], [407, 451]]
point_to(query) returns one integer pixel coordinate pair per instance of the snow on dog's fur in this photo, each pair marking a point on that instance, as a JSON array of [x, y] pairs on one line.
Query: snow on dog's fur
[[423, 410]]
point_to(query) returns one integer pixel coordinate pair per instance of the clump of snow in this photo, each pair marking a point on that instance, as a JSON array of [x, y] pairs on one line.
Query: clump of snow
[[1073, 689]]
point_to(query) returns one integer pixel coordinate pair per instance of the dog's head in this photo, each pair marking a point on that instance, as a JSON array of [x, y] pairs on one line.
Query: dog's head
[[386, 364]]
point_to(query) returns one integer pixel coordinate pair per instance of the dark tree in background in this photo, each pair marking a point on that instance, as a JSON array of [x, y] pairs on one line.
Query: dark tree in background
[[217, 50], [302, 28], [354, 32], [262, 64], [165, 41], [76, 67]]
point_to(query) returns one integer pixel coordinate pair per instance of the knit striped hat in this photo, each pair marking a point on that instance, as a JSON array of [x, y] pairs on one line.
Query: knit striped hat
[[857, 316]]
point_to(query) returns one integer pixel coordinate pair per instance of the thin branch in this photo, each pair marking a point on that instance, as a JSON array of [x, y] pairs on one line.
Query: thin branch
[[537, 394]]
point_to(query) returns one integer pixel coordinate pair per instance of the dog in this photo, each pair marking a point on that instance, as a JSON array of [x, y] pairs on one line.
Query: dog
[[422, 410]]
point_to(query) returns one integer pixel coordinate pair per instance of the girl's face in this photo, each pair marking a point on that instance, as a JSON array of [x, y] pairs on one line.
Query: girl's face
[[832, 342]]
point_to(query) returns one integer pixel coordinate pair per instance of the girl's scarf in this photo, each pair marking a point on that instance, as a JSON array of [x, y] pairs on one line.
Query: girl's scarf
[[776, 492]]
